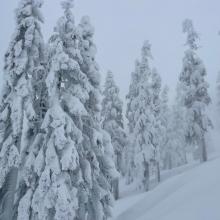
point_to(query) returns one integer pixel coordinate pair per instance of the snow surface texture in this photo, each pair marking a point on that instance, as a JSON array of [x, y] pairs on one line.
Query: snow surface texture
[[192, 195]]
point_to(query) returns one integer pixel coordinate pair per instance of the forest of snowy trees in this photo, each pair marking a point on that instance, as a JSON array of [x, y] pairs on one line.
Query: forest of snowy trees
[[66, 141]]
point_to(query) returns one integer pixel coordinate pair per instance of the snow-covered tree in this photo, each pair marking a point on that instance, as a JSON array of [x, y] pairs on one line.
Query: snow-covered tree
[[158, 131], [195, 95], [164, 107], [173, 149], [18, 120], [97, 143], [176, 145], [141, 121], [70, 164], [52, 172], [113, 123], [132, 94], [164, 118]]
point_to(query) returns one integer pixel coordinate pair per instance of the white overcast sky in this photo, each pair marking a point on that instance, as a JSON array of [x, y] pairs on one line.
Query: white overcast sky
[[122, 26]]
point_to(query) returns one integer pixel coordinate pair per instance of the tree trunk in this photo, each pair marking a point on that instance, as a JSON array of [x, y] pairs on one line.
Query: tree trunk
[[130, 176], [185, 157], [115, 188], [119, 162], [169, 162], [158, 172], [204, 150], [146, 176]]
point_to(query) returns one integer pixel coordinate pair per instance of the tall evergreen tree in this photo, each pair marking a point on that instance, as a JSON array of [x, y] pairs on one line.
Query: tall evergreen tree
[[132, 94], [158, 129], [113, 123], [112, 114], [165, 117], [70, 166], [142, 120], [97, 146], [195, 97], [53, 162], [173, 149], [164, 107], [131, 105], [176, 146], [23, 59]]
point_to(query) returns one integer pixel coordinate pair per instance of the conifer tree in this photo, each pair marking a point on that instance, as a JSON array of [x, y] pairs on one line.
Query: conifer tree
[[53, 162], [195, 96], [96, 141], [165, 117], [113, 124], [176, 145], [113, 118], [141, 119], [132, 94], [158, 129], [164, 107], [70, 166], [173, 148], [18, 119], [131, 105]]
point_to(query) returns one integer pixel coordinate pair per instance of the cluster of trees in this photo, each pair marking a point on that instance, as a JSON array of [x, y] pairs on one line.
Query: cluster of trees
[[56, 160], [63, 143], [162, 136]]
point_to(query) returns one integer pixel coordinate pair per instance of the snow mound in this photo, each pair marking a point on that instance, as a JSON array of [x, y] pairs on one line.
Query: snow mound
[[192, 195]]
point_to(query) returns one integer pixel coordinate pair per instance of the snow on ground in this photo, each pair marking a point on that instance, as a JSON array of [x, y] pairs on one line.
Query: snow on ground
[[191, 195]]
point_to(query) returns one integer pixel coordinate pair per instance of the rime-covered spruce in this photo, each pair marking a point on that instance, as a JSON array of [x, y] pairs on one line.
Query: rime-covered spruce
[[195, 97], [24, 61], [112, 122], [71, 166], [142, 115]]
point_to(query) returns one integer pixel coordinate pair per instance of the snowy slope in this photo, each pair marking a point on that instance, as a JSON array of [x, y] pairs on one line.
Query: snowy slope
[[192, 195]]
